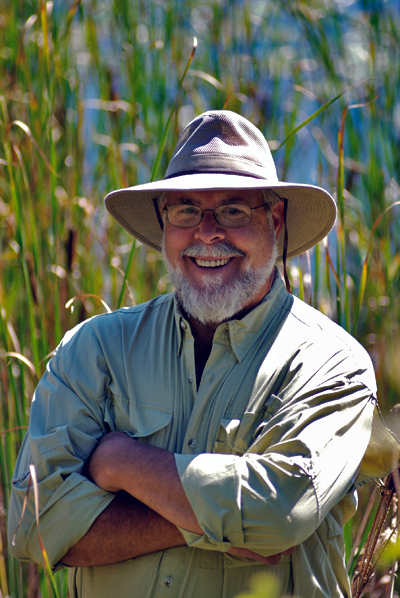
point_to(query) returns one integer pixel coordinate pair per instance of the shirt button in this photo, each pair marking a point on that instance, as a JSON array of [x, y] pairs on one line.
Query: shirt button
[[183, 325], [190, 378], [168, 581], [192, 443]]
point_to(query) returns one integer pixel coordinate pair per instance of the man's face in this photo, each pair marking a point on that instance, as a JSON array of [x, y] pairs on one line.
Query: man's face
[[223, 260]]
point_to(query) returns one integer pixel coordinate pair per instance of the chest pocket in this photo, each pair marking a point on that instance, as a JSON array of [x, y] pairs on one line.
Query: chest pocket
[[236, 435], [144, 421]]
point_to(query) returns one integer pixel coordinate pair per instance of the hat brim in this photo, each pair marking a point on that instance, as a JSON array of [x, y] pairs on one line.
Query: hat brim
[[311, 211]]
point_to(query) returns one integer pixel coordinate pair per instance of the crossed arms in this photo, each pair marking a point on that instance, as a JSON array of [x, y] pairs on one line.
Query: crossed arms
[[267, 490], [150, 504]]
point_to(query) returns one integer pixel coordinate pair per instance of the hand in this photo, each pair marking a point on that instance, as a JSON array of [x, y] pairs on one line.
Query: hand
[[266, 560]]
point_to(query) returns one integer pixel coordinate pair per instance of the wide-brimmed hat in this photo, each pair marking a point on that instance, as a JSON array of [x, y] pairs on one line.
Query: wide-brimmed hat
[[221, 150]]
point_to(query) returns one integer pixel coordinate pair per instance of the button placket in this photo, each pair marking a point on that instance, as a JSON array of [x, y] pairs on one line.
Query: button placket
[[173, 568]]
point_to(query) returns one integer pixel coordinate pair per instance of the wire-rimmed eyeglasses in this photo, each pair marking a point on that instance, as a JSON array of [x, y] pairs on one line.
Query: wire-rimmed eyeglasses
[[228, 215]]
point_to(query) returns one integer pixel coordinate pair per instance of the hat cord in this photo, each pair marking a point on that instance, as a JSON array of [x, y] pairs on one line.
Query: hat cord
[[157, 210], [285, 246]]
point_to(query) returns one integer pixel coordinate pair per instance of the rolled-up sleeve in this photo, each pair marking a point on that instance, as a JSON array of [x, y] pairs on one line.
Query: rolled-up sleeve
[[67, 419], [298, 465]]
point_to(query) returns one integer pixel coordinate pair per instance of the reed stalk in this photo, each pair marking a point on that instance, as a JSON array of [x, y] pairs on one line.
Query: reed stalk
[[93, 97]]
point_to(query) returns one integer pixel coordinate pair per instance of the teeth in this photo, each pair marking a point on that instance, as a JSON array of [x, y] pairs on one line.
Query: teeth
[[212, 263]]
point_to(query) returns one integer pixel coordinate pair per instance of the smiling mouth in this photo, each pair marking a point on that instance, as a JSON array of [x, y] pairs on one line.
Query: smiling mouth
[[212, 263]]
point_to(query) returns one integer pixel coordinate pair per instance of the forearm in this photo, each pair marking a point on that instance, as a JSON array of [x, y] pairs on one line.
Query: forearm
[[125, 529], [147, 473], [150, 475]]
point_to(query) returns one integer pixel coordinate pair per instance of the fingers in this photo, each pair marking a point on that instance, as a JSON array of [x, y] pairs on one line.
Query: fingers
[[249, 554], [254, 556], [275, 559]]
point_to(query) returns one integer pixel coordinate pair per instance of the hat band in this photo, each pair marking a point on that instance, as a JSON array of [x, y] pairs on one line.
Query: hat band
[[231, 172], [217, 162]]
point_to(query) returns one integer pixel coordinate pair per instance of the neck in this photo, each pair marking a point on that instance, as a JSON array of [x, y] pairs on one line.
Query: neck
[[203, 336], [203, 333]]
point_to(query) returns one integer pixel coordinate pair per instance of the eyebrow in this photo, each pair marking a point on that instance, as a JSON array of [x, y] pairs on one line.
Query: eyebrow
[[186, 200], [233, 200]]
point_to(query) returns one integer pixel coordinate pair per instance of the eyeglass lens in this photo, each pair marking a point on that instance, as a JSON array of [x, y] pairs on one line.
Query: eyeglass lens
[[231, 215]]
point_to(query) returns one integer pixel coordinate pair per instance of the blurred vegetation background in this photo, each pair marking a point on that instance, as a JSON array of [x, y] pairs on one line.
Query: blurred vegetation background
[[86, 91]]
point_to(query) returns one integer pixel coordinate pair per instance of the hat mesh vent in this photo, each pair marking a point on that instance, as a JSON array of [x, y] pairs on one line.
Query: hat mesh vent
[[222, 136]]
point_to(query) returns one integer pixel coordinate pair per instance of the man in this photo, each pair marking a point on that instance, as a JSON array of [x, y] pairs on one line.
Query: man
[[183, 445]]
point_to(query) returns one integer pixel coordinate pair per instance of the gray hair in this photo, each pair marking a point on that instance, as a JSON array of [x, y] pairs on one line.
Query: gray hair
[[271, 198]]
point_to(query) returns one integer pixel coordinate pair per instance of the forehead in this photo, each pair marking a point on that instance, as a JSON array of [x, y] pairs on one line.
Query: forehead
[[212, 199]]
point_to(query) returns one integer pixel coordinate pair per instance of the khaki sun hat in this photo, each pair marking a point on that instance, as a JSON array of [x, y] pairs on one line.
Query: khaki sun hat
[[221, 150]]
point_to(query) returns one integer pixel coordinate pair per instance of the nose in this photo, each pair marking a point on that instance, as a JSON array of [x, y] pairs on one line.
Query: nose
[[209, 231]]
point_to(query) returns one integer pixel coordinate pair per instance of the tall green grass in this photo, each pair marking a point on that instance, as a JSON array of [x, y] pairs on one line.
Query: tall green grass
[[87, 88]]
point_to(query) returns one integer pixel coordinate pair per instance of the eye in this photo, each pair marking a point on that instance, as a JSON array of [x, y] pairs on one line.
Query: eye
[[234, 211], [185, 210]]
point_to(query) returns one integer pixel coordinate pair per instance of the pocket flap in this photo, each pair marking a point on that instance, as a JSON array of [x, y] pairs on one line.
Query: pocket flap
[[140, 420], [237, 434]]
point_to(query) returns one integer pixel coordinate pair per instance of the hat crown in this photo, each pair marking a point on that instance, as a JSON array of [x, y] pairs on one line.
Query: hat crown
[[222, 141], [221, 150]]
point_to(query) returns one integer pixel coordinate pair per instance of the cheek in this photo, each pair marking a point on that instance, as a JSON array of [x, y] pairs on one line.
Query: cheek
[[258, 246], [176, 239], [252, 241]]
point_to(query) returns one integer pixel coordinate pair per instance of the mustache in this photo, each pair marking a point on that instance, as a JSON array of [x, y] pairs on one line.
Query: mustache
[[220, 249]]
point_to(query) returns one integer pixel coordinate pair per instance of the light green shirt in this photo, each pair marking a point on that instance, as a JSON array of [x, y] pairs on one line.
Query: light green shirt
[[268, 448]]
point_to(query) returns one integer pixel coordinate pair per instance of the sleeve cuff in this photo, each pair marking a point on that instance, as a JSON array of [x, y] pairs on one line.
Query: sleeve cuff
[[217, 511], [204, 542], [62, 525]]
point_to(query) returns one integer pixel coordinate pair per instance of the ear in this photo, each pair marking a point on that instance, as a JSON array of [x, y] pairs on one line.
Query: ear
[[277, 217]]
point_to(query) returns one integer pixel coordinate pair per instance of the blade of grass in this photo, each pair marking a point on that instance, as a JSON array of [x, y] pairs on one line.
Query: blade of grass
[[167, 126], [315, 114], [316, 281], [157, 161], [126, 273], [364, 270], [71, 301], [68, 21], [340, 201], [24, 359], [27, 130], [301, 283], [21, 237], [47, 566]]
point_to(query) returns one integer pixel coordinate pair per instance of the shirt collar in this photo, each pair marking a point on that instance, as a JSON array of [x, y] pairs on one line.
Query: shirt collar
[[239, 335]]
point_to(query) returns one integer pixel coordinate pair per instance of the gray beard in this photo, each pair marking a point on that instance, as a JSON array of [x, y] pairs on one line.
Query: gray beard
[[216, 301]]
